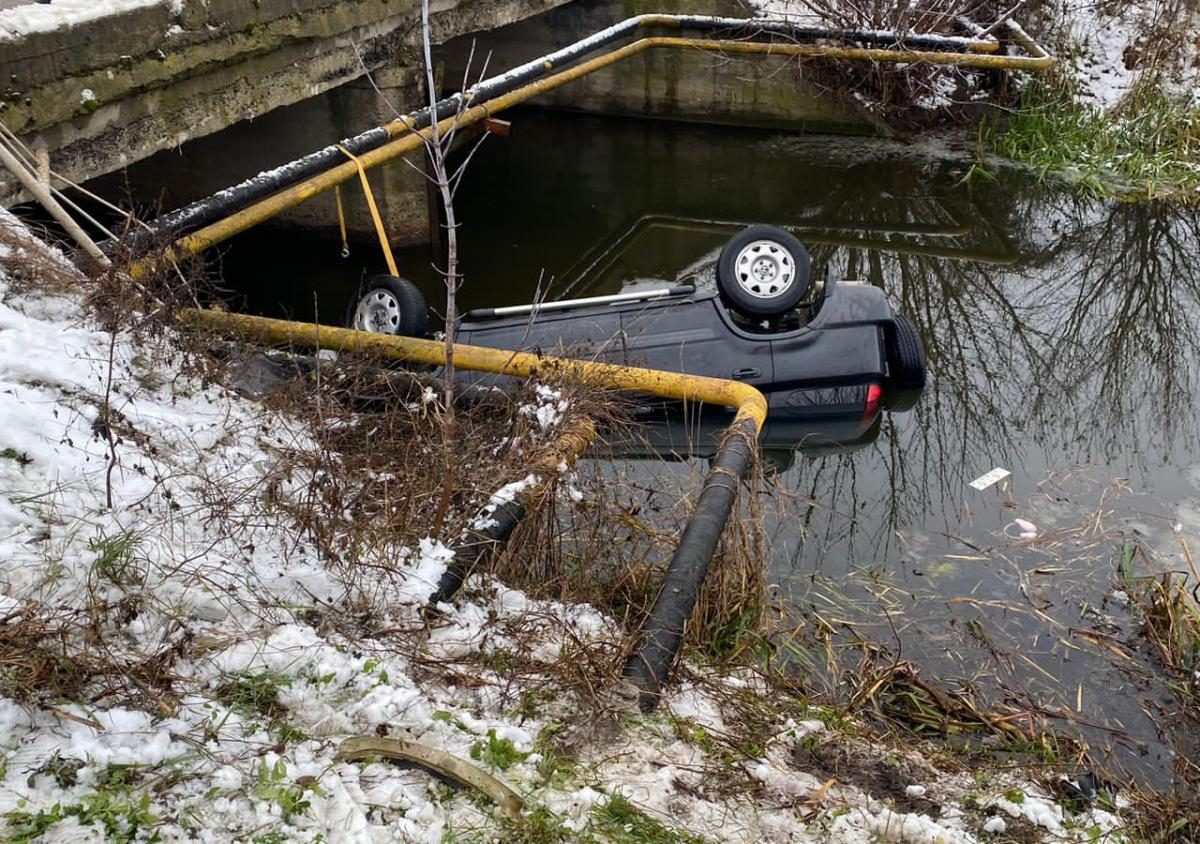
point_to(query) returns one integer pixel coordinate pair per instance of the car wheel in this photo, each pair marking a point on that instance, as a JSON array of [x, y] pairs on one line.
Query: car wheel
[[763, 272], [389, 305], [906, 356]]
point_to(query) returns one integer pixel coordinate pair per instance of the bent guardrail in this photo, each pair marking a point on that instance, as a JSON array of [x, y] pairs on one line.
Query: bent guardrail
[[268, 194]]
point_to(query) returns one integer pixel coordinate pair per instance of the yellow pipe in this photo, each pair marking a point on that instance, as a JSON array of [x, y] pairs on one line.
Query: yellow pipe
[[750, 403], [864, 53], [411, 140]]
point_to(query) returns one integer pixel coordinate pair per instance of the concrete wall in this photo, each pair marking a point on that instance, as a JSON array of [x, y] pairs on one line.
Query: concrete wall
[[223, 89], [200, 168], [691, 85], [116, 90]]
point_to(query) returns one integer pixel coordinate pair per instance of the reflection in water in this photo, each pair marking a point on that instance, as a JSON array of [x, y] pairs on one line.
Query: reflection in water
[[1076, 361], [1061, 342]]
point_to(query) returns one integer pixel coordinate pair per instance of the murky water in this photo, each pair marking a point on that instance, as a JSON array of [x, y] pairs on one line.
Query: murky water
[[1061, 337]]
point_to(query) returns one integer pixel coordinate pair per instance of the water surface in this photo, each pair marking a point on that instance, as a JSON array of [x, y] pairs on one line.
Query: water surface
[[1061, 342]]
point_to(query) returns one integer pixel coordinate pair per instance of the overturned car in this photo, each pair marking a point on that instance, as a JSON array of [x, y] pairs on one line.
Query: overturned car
[[819, 349]]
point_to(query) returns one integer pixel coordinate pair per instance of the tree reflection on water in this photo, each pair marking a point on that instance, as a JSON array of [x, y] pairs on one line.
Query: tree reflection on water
[[1082, 350], [1076, 358]]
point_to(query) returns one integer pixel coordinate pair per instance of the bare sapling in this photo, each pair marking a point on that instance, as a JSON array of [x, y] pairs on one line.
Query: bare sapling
[[437, 149]]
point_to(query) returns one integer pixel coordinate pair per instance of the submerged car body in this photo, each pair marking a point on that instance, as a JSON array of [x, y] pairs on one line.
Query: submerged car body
[[833, 364], [826, 350]]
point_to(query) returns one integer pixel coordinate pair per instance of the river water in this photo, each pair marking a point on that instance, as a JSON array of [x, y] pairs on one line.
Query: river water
[[1061, 339]]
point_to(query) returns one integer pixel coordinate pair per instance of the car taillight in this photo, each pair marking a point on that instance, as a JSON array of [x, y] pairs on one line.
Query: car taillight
[[874, 394]]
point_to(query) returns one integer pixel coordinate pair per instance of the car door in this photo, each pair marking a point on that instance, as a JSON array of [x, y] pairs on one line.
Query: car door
[[587, 334], [694, 338]]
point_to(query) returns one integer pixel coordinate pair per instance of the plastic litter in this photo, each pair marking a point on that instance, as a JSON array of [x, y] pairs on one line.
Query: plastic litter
[[995, 476]]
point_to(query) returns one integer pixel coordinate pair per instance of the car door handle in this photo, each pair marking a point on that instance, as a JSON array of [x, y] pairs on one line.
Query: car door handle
[[746, 372]]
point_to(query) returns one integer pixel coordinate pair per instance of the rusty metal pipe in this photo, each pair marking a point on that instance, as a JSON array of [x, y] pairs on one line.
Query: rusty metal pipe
[[658, 643], [749, 402]]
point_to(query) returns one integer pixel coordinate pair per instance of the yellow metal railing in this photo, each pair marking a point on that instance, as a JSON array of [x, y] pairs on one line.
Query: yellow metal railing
[[751, 405], [408, 139]]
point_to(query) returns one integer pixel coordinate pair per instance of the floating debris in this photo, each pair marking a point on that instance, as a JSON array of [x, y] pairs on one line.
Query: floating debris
[[991, 478]]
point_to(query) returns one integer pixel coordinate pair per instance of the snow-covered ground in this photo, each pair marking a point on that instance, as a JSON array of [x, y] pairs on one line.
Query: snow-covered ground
[[45, 17], [1101, 40], [1109, 37], [236, 738]]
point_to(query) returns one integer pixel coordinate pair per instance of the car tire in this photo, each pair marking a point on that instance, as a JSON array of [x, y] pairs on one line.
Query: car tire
[[763, 272], [386, 304], [906, 356]]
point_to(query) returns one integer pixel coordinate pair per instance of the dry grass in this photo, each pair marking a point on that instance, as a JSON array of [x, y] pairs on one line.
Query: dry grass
[[1171, 622], [371, 474], [892, 91], [30, 265], [49, 655]]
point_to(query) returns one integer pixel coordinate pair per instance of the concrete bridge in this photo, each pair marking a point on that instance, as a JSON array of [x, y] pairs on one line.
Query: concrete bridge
[[101, 91], [201, 94]]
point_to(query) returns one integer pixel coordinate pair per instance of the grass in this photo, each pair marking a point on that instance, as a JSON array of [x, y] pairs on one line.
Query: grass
[[20, 457], [122, 815], [273, 786], [1170, 614], [1149, 149], [499, 753], [116, 558], [617, 821], [254, 694]]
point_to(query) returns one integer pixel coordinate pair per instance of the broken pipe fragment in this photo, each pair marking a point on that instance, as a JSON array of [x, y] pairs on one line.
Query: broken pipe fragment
[[437, 761]]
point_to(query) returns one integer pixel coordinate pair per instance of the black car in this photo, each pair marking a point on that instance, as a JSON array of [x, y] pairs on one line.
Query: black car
[[818, 349]]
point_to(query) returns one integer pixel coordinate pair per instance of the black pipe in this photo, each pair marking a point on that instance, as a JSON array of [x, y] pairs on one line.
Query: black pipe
[[473, 547], [662, 634], [231, 200]]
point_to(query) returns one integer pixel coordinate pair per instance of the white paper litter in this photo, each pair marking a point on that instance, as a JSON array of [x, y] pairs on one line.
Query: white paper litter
[[984, 481]]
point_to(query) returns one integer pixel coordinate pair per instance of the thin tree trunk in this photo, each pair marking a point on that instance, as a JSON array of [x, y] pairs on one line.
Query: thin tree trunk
[[437, 158]]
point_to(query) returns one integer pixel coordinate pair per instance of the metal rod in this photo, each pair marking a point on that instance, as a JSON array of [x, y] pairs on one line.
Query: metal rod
[[231, 199], [42, 194], [567, 304]]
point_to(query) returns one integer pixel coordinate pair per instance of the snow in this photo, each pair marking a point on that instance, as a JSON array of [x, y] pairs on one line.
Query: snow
[[549, 408], [1104, 39], [61, 14]]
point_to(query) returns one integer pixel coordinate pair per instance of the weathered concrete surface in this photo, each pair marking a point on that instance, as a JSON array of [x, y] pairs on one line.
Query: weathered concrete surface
[[118, 89], [203, 166], [689, 85]]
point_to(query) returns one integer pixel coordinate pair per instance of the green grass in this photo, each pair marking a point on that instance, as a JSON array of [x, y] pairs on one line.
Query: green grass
[[274, 786], [19, 456], [498, 752], [616, 822], [620, 821], [1149, 149], [121, 815], [117, 558], [253, 694]]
